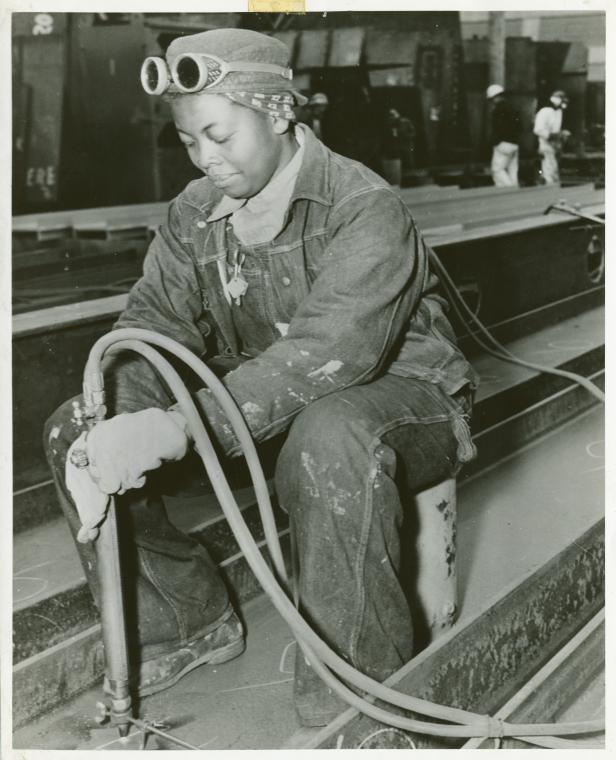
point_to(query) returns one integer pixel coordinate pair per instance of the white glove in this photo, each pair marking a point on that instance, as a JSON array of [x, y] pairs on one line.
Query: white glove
[[90, 501], [120, 450]]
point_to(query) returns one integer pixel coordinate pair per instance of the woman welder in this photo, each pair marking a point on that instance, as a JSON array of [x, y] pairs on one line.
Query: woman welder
[[314, 282]]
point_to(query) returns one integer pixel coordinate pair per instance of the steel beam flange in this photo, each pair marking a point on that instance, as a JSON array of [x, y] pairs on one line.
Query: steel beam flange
[[482, 663]]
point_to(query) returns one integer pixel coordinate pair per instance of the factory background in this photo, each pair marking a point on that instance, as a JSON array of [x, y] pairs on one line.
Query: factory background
[[85, 134], [95, 162]]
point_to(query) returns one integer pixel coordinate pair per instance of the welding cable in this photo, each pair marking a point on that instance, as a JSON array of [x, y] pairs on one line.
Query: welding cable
[[317, 651], [234, 416], [554, 742], [500, 351], [562, 206]]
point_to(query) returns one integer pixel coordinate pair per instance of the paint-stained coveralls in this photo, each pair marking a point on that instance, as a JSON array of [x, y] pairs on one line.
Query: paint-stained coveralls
[[343, 357]]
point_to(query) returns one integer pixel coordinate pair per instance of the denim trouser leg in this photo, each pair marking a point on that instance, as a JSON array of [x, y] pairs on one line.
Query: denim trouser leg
[[338, 476], [172, 586]]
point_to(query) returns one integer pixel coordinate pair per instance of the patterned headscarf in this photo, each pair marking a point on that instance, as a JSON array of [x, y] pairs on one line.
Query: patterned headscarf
[[280, 103]]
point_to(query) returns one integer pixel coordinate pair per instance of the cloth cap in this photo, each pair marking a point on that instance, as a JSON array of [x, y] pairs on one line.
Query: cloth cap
[[239, 45], [494, 90], [318, 99]]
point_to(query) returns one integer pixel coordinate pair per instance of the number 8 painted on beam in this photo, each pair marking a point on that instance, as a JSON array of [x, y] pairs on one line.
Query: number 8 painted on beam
[[43, 24]]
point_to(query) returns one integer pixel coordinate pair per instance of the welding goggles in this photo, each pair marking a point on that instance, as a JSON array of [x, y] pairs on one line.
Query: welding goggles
[[192, 72]]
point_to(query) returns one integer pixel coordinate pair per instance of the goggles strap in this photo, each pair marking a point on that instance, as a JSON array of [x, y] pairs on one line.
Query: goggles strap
[[266, 68]]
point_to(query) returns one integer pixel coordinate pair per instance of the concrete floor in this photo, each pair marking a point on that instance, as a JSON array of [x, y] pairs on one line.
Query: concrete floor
[[512, 519]]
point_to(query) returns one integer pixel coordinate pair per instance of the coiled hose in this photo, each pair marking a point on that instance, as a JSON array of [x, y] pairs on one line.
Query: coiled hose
[[326, 663]]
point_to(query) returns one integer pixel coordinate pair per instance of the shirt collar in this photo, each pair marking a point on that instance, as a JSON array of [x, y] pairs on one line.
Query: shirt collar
[[313, 180], [225, 207]]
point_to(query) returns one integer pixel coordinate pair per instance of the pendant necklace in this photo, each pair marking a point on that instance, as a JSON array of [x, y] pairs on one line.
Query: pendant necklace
[[237, 285]]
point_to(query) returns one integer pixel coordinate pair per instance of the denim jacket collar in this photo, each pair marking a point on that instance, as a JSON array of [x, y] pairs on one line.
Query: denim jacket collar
[[313, 180]]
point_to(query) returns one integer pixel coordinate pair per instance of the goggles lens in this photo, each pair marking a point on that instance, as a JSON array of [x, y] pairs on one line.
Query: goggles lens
[[191, 74], [154, 75]]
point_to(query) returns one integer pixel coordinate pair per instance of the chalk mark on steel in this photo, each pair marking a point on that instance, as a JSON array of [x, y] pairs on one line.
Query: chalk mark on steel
[[255, 685], [281, 667]]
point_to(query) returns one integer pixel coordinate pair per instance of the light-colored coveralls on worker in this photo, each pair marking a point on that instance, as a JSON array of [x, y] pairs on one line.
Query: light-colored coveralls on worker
[[548, 128]]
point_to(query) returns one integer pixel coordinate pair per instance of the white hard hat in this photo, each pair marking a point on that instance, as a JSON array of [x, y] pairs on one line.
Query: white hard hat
[[318, 99], [494, 90]]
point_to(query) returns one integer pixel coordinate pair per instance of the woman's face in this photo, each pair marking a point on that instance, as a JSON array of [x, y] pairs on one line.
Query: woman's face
[[237, 148]]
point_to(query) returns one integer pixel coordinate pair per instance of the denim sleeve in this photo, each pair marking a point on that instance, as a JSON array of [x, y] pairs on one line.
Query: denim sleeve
[[167, 298], [372, 275]]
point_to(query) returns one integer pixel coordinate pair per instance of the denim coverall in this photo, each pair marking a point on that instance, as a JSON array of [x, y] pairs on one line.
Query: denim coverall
[[344, 358]]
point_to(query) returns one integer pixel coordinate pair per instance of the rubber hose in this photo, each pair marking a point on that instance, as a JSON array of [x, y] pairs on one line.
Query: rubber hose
[[473, 725]]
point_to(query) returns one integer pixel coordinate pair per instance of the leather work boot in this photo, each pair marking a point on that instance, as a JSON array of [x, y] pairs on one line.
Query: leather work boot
[[223, 643]]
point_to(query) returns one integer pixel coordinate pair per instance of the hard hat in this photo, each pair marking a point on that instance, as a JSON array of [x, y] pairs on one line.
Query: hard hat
[[560, 94], [318, 99], [494, 90]]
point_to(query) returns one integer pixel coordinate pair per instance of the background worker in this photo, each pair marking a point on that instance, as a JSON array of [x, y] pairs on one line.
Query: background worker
[[317, 109], [303, 273], [505, 128], [552, 137], [397, 146]]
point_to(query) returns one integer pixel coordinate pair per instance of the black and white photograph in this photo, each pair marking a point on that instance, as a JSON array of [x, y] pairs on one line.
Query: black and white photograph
[[305, 443]]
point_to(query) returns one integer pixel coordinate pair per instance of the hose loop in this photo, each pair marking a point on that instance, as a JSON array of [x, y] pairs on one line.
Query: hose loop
[[328, 665]]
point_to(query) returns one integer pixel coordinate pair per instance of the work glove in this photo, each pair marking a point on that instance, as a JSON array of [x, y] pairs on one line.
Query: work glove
[[90, 501], [119, 452]]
